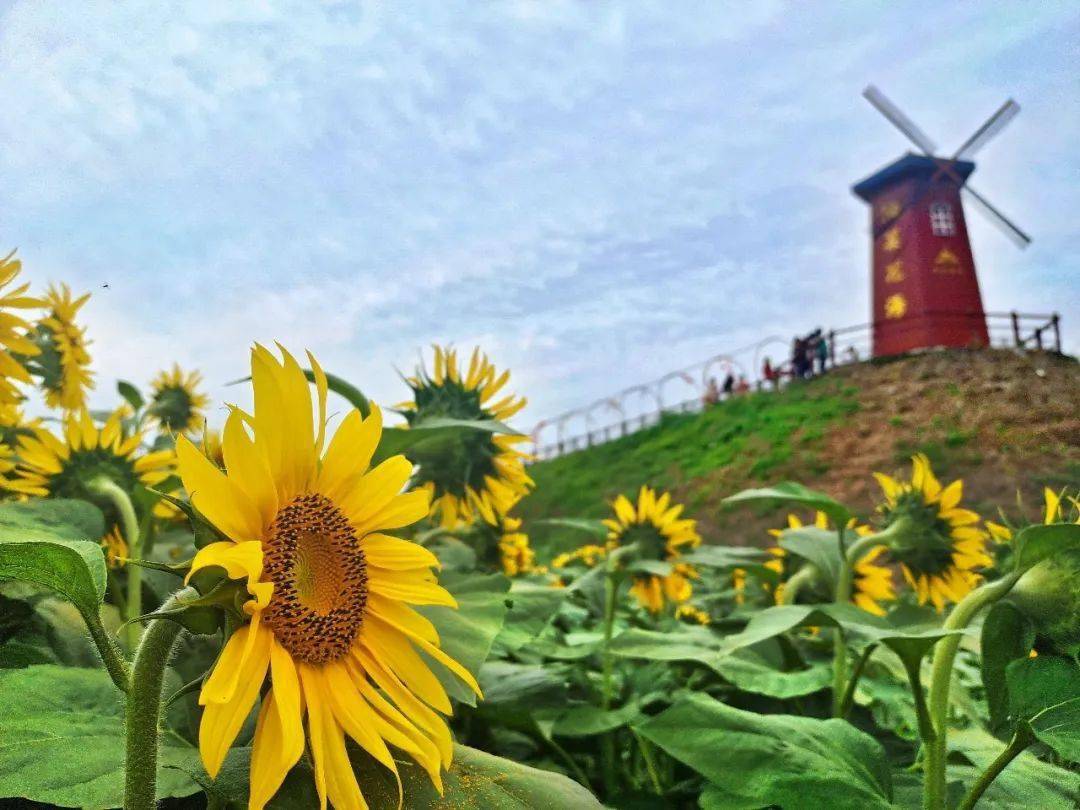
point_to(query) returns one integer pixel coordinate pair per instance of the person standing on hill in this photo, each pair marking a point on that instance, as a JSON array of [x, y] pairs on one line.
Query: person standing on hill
[[729, 385], [770, 374], [798, 358], [821, 348], [712, 393]]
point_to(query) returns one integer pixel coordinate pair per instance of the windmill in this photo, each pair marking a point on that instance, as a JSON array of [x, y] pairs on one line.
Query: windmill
[[925, 290]]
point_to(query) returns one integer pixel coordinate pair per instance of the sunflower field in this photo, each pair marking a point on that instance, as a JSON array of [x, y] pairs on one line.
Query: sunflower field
[[321, 602]]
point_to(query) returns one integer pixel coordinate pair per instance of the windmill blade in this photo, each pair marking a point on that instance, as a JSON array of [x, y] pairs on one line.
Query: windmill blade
[[899, 120], [994, 124], [1018, 236]]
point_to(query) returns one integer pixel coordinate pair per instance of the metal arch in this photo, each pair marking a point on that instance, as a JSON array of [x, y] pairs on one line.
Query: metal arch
[[566, 417], [645, 390], [535, 435], [683, 375]]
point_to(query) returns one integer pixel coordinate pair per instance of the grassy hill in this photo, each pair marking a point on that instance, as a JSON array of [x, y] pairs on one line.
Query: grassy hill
[[1006, 423]]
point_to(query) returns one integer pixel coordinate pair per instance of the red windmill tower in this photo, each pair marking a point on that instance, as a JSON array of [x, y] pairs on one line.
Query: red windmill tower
[[925, 291]]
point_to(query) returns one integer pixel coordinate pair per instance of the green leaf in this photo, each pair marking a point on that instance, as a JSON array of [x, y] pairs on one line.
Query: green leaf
[[1007, 636], [1059, 727], [745, 669], [723, 556], [792, 492], [1027, 782], [911, 644], [467, 633], [596, 528], [819, 547], [62, 740], [750, 672], [588, 721], [1037, 542], [1036, 684], [130, 393], [431, 437], [476, 780], [344, 389], [656, 568], [755, 760], [527, 686], [54, 543], [531, 609]]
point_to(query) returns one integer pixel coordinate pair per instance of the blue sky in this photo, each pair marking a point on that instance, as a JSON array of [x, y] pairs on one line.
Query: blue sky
[[595, 192]]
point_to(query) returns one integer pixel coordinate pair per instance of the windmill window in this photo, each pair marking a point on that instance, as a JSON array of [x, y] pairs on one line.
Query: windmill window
[[941, 220]]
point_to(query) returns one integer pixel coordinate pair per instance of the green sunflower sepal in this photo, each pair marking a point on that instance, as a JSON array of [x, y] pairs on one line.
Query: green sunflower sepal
[[219, 605], [1048, 594], [205, 532]]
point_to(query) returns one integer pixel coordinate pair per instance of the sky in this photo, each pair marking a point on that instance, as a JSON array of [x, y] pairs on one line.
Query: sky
[[595, 193]]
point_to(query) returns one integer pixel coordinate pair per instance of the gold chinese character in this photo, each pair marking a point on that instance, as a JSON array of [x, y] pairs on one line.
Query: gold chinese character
[[894, 272], [895, 306], [946, 262], [891, 241], [889, 210]]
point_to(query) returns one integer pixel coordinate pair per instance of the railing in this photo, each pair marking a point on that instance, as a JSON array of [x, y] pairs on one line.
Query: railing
[[850, 344]]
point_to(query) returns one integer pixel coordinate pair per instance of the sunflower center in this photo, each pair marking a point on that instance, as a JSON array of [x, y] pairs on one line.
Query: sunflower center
[[314, 559]]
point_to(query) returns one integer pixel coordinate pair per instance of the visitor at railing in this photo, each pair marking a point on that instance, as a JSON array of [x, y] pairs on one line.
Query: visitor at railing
[[712, 393]]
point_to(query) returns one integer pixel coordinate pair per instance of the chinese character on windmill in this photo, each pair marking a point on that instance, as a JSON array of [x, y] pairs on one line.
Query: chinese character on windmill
[[925, 290]]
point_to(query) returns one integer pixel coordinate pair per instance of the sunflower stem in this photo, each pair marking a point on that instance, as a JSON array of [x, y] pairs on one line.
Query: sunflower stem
[[111, 655], [849, 692], [610, 591], [795, 584], [1020, 741], [650, 763], [108, 488], [844, 584], [941, 679], [144, 706]]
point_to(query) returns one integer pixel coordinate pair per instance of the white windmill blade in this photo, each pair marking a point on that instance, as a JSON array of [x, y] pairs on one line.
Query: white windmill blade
[[993, 125], [1012, 231], [899, 120]]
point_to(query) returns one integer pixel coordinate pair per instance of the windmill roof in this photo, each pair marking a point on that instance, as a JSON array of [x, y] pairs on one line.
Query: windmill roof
[[910, 165]]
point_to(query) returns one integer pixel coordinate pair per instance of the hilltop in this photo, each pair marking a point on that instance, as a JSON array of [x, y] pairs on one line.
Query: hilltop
[[1005, 422]]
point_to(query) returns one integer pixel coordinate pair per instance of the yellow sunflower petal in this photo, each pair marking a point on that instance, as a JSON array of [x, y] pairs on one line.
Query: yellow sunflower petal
[[222, 502], [221, 722]]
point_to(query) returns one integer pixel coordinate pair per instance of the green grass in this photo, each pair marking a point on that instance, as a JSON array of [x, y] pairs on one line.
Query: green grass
[[756, 436]]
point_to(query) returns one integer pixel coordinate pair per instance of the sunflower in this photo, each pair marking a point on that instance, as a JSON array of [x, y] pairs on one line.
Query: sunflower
[[13, 424], [482, 475], [873, 582], [65, 466], [588, 554], [738, 584], [691, 614], [116, 548], [211, 446], [12, 341], [1053, 512], [62, 361], [330, 594], [938, 545], [661, 534], [175, 401], [514, 549]]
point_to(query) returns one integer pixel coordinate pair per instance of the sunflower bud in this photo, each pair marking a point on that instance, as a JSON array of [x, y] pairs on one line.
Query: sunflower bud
[[1049, 594]]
